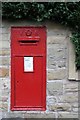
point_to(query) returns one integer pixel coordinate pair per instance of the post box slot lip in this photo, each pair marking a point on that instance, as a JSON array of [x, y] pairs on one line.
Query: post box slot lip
[[28, 41], [36, 38]]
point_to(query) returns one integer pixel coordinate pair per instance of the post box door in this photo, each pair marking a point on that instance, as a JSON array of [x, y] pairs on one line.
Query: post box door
[[28, 85], [28, 69]]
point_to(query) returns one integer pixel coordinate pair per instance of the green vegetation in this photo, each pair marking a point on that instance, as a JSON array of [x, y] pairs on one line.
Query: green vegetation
[[67, 13]]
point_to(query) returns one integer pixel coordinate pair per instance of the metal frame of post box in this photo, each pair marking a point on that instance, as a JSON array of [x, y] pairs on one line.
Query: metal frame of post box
[[21, 36]]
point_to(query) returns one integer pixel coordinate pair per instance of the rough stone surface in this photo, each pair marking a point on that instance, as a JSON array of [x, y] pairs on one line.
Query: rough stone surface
[[75, 110], [5, 37], [51, 100], [4, 99], [5, 60], [60, 107], [55, 88], [59, 39], [0, 115], [4, 72], [41, 115], [5, 52], [67, 115], [30, 114], [71, 86], [79, 74], [56, 74], [4, 44], [4, 106], [68, 97]]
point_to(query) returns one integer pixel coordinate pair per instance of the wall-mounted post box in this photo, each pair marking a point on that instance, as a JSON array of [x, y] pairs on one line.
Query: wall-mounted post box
[[28, 68]]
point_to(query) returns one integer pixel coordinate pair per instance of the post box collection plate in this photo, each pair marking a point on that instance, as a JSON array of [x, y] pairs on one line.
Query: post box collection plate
[[28, 68], [28, 64]]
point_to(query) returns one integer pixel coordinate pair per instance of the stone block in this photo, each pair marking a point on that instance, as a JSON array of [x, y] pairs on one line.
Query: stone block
[[19, 1], [57, 29], [79, 74], [0, 114], [4, 99], [0, 104], [4, 60], [0, 90], [54, 64], [4, 52], [5, 85], [5, 92], [4, 106], [57, 50], [60, 107], [0, 30], [5, 37], [71, 86], [55, 88], [40, 115], [1, 96], [5, 30], [4, 44], [67, 115], [0, 85], [68, 98], [29, 114], [75, 110], [75, 105], [62, 64], [58, 74], [56, 39], [51, 100], [4, 72], [57, 57], [51, 64], [13, 116]]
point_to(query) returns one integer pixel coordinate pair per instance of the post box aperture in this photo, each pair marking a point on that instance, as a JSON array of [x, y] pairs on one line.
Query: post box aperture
[[28, 68]]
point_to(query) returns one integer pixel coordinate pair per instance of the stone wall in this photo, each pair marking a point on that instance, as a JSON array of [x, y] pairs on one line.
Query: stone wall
[[62, 94]]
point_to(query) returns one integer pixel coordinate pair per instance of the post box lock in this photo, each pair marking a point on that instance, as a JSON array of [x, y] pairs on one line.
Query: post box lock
[[28, 68]]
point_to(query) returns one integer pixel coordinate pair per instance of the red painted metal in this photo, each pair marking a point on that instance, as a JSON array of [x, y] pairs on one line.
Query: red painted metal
[[28, 89]]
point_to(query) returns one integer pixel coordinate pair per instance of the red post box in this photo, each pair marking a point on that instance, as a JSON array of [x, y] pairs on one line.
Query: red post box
[[28, 68]]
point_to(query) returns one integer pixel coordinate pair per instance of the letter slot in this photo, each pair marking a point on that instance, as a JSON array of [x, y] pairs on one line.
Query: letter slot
[[28, 41]]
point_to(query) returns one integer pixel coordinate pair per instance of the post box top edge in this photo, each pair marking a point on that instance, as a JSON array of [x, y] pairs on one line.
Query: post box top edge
[[28, 26]]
